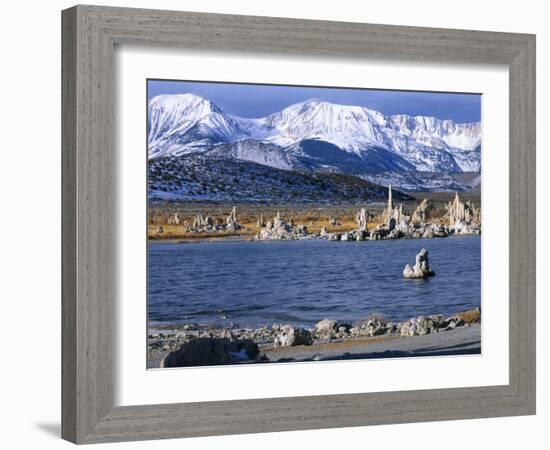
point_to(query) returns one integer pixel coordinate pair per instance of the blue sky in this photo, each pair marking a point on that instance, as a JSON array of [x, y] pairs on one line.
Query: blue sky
[[254, 100]]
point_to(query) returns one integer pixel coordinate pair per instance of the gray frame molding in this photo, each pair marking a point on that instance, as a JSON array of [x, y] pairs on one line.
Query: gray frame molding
[[89, 37]]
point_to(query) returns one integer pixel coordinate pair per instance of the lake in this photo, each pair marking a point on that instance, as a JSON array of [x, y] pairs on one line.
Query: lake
[[301, 282]]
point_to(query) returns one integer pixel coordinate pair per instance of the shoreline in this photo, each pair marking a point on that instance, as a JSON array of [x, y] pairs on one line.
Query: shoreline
[[250, 238], [371, 337]]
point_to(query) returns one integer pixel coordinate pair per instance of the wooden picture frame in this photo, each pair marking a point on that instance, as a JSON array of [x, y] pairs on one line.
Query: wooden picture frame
[[90, 34]]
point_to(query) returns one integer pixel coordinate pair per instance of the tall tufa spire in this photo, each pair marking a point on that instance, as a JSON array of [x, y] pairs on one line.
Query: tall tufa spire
[[390, 201]]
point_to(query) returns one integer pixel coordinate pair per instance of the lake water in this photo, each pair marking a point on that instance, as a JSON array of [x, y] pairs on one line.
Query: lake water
[[302, 282]]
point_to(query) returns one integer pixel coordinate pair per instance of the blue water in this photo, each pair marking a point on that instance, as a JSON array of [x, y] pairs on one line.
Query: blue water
[[302, 282]]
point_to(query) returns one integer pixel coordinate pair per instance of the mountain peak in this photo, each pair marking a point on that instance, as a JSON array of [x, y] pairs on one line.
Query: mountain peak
[[314, 101], [185, 101]]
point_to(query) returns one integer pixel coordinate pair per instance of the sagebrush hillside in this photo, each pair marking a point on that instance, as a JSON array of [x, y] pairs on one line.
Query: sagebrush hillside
[[201, 178]]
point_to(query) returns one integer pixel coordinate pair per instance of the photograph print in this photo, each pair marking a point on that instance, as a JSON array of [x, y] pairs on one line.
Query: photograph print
[[291, 224]]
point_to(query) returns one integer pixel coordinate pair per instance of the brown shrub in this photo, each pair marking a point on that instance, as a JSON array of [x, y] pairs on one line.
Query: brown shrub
[[470, 316]]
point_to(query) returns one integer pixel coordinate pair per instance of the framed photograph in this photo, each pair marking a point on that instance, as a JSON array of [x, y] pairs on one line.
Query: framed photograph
[[268, 230]]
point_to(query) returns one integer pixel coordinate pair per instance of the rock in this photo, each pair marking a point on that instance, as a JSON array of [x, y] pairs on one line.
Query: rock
[[421, 325], [174, 220], [160, 230], [425, 325], [278, 229], [361, 235], [344, 327], [423, 211], [421, 269], [405, 328], [361, 219], [463, 227], [394, 234], [231, 221], [301, 229], [440, 231], [428, 234], [211, 351], [374, 325], [289, 336], [459, 212], [393, 217], [326, 326], [452, 322]]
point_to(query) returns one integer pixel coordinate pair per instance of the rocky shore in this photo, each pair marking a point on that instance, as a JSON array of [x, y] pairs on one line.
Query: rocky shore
[[374, 221], [460, 219], [196, 345]]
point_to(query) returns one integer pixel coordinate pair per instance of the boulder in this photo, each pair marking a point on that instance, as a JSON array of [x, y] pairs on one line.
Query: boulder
[[428, 234], [452, 322], [231, 221], [440, 231], [326, 326], [421, 325], [421, 269], [374, 325], [174, 220], [405, 328], [279, 229], [344, 328], [361, 219], [422, 212], [207, 351], [427, 325], [289, 336]]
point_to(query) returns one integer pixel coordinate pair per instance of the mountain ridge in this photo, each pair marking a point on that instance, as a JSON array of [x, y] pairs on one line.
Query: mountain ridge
[[187, 123]]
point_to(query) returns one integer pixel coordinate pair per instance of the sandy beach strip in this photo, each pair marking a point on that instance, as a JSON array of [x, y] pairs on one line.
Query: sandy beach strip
[[460, 341]]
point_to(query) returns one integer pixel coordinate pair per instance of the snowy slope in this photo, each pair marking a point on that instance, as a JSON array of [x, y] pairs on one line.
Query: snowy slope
[[259, 152], [185, 123]]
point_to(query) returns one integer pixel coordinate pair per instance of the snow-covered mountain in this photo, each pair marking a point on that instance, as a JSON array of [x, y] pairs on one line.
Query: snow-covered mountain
[[314, 136], [184, 123]]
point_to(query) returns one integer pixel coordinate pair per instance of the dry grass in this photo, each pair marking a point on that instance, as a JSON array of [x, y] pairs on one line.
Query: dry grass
[[470, 316], [313, 217]]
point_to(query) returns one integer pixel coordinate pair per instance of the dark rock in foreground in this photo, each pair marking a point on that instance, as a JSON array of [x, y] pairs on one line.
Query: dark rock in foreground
[[211, 351]]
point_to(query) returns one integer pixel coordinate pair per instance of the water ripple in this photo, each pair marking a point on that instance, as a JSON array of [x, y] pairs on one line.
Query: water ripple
[[304, 281]]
